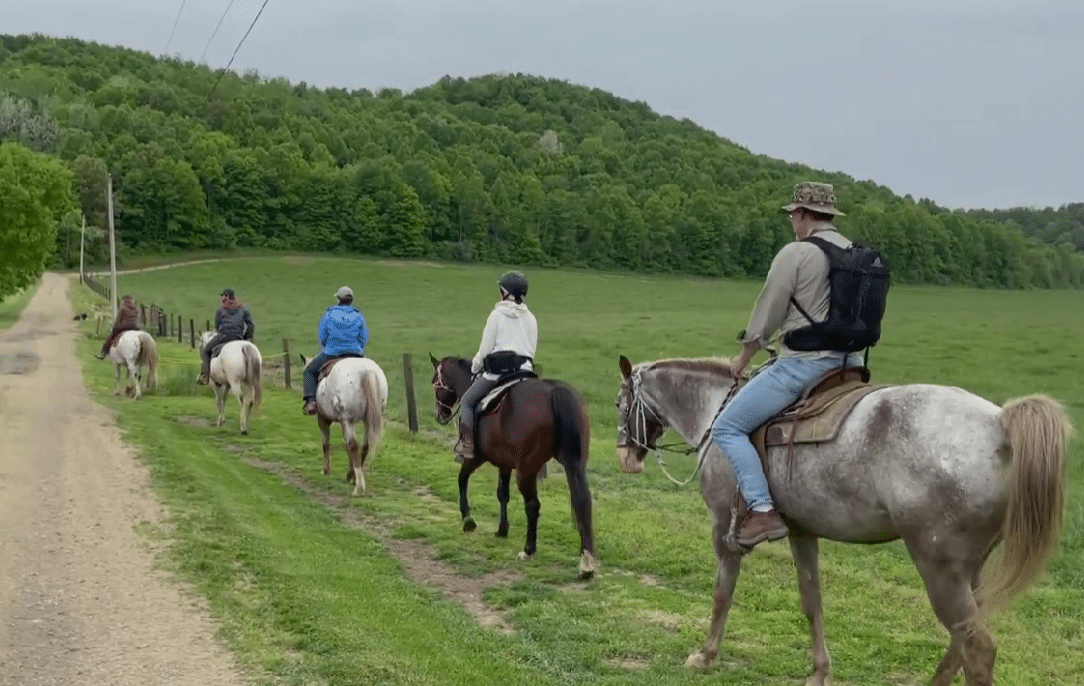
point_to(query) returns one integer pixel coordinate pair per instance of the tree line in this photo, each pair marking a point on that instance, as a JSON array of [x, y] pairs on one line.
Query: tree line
[[501, 168]]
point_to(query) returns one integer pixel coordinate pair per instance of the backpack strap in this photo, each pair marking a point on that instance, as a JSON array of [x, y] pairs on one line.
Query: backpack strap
[[825, 247]]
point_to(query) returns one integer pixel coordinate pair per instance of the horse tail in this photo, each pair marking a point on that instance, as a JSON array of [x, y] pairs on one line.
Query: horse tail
[[253, 367], [148, 351], [572, 434], [374, 409], [1038, 431]]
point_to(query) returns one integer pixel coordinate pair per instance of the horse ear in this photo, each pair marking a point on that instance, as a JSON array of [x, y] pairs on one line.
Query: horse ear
[[626, 367], [434, 360]]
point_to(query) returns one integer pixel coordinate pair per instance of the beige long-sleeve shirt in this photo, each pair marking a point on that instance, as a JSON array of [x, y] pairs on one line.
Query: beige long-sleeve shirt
[[800, 270]]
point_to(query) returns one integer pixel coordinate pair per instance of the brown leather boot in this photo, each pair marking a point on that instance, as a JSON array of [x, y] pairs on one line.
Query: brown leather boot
[[761, 526], [464, 450]]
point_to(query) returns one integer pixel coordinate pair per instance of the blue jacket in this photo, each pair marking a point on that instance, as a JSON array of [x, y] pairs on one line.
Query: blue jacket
[[343, 330]]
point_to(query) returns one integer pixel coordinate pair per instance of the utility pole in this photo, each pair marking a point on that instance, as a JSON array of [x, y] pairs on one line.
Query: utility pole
[[82, 243], [112, 253]]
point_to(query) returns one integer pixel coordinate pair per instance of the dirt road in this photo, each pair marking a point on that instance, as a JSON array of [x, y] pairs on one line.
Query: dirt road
[[80, 601]]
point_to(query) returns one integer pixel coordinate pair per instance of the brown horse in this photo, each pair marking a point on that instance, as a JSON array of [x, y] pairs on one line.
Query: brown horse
[[535, 420]]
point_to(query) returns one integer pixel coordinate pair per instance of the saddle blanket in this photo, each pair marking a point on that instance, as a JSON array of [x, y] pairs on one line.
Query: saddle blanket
[[490, 399]]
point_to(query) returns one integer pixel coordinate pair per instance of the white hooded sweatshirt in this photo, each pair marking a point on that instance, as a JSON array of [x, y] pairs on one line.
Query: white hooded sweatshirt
[[510, 326]]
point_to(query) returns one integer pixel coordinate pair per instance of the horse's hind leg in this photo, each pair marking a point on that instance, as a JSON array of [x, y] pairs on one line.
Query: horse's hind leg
[[504, 482], [133, 379], [948, 584], [353, 451], [239, 393], [580, 496], [805, 550], [245, 398], [726, 578], [325, 436], [465, 470], [220, 401], [528, 488], [117, 390]]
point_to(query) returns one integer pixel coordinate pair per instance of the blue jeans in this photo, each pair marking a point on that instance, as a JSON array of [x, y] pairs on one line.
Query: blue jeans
[[312, 370], [767, 394]]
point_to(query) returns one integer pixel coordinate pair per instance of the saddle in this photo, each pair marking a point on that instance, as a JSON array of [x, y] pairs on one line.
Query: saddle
[[325, 369], [491, 401], [817, 415]]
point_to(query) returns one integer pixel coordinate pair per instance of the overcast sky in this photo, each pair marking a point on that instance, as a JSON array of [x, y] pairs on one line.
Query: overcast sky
[[973, 103]]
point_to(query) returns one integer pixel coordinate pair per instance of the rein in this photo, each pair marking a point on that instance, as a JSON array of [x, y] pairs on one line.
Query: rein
[[639, 407]]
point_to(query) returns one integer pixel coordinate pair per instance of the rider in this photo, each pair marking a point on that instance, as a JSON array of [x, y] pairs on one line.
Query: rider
[[342, 332], [233, 322], [127, 320], [798, 276], [511, 329]]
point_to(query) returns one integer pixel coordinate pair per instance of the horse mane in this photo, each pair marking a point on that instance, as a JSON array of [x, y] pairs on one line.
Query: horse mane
[[710, 365]]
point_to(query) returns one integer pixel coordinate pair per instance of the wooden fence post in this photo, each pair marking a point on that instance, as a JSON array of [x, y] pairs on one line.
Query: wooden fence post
[[286, 361], [208, 323], [143, 315], [192, 333], [180, 330], [411, 406]]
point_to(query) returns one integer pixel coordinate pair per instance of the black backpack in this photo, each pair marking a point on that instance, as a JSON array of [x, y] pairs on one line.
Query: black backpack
[[858, 290]]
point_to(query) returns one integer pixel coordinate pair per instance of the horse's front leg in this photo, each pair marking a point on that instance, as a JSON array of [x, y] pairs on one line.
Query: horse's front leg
[[325, 437], [220, 401], [726, 577], [465, 471], [805, 549], [117, 390], [528, 488], [504, 482]]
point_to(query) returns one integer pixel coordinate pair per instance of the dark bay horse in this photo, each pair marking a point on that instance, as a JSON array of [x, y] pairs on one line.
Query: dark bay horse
[[950, 473], [536, 420]]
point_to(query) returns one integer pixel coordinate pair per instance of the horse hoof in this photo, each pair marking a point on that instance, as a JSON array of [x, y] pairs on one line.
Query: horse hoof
[[523, 557], [587, 565], [698, 661], [469, 524], [244, 432], [501, 533]]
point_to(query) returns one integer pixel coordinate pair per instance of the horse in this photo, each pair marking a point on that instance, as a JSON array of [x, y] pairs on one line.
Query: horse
[[353, 390], [236, 368], [134, 349], [948, 472], [534, 420]]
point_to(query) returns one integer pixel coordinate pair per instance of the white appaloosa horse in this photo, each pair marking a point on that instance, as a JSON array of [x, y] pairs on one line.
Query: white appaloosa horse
[[950, 473], [237, 369], [134, 349], [354, 390]]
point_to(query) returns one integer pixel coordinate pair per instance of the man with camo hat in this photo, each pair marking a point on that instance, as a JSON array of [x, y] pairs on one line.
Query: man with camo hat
[[797, 282]]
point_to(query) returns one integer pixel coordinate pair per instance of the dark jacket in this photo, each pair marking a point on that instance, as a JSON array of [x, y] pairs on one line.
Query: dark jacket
[[234, 319], [127, 316]]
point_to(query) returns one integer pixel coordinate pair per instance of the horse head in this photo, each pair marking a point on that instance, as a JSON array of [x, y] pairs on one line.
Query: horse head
[[451, 378], [641, 425]]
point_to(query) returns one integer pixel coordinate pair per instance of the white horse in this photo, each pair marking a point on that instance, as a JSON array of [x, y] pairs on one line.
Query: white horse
[[134, 349], [237, 368], [354, 390], [950, 473]]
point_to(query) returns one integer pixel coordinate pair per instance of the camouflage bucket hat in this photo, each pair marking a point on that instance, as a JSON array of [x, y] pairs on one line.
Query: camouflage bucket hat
[[819, 197]]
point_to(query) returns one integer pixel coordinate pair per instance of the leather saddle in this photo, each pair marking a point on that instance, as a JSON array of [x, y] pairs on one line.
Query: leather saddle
[[817, 415], [325, 368], [491, 401]]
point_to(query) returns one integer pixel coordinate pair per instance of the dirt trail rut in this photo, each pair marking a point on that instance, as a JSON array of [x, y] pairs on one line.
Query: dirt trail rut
[[80, 601]]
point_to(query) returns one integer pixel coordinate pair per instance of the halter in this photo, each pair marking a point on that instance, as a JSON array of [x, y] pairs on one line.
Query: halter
[[441, 385], [639, 407]]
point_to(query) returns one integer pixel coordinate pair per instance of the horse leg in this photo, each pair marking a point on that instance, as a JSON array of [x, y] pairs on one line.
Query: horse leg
[[949, 587], [504, 482], [805, 550], [954, 658], [465, 470], [580, 496], [245, 398], [133, 379], [528, 488], [238, 393], [117, 390], [352, 449], [325, 435], [726, 578], [220, 400]]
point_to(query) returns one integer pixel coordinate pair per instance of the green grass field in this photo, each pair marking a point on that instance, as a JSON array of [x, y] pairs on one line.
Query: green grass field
[[312, 587]]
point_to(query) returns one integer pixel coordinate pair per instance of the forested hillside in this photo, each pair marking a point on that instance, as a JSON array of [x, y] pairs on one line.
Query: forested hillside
[[506, 168]]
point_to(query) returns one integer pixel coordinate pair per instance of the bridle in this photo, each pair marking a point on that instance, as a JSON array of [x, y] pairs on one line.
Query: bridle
[[440, 385], [638, 410]]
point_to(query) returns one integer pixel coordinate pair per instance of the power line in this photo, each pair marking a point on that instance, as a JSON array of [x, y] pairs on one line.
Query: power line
[[223, 72], [215, 33], [175, 20]]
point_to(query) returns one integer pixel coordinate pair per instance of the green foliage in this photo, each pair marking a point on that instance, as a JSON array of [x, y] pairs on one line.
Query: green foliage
[[494, 169], [35, 193]]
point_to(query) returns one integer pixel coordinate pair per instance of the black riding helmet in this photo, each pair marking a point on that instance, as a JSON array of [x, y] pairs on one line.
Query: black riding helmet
[[514, 284]]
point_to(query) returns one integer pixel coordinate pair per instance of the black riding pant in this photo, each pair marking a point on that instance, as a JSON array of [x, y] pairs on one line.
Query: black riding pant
[[469, 402], [205, 351]]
